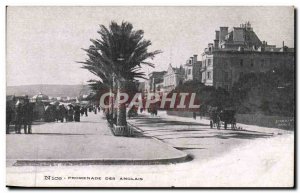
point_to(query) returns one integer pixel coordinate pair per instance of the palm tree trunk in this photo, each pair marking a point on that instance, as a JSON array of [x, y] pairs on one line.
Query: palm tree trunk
[[121, 112], [115, 103], [110, 109], [112, 102], [115, 111]]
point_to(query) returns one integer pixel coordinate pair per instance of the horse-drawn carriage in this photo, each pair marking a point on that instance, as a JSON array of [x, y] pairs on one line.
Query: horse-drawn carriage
[[153, 109], [222, 117]]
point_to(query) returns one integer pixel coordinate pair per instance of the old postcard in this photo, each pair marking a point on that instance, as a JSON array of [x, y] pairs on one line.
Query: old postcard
[[150, 96]]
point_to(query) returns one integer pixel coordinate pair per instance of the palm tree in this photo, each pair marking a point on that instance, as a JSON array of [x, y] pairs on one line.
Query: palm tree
[[99, 68], [121, 51]]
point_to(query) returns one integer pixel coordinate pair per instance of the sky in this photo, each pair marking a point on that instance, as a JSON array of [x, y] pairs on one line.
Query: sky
[[44, 43]]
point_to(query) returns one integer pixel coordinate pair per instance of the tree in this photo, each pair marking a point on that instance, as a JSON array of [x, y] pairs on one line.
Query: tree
[[270, 92], [121, 52]]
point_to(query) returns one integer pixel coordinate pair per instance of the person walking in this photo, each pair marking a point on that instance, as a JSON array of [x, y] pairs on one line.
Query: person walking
[[62, 112], [70, 113], [77, 113], [48, 113], [95, 109], [28, 116], [19, 117], [57, 113], [9, 116], [82, 111], [194, 115], [85, 111]]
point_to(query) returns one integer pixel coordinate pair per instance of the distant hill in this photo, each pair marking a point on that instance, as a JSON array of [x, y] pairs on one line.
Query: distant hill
[[50, 90]]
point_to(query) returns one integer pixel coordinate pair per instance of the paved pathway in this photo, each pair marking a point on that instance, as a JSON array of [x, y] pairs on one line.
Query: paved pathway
[[89, 140]]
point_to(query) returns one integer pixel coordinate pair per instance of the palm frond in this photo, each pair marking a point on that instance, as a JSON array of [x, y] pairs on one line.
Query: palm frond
[[115, 43]]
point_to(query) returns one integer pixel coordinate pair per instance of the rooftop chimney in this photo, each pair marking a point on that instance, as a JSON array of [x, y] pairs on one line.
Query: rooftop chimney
[[192, 60], [217, 35], [216, 41], [223, 33], [195, 58]]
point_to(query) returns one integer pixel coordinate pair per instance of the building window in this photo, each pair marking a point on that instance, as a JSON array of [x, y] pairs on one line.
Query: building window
[[208, 62], [252, 63], [241, 62], [209, 75]]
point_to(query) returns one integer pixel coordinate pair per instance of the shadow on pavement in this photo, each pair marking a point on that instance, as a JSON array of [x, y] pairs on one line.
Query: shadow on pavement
[[153, 123], [187, 148], [168, 134], [230, 136], [90, 122]]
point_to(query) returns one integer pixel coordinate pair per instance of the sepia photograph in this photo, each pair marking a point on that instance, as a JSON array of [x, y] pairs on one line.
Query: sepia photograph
[[150, 96]]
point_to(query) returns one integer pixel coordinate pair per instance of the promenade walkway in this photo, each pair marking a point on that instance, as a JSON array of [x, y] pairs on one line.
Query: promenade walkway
[[87, 142]]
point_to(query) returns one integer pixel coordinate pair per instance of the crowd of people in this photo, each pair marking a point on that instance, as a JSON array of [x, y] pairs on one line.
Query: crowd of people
[[22, 113], [62, 113], [67, 113]]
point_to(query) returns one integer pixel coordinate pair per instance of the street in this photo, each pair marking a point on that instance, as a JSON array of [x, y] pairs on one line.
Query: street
[[196, 137], [257, 158]]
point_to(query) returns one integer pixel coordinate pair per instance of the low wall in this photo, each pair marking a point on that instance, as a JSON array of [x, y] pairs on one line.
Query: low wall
[[266, 121], [252, 119]]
